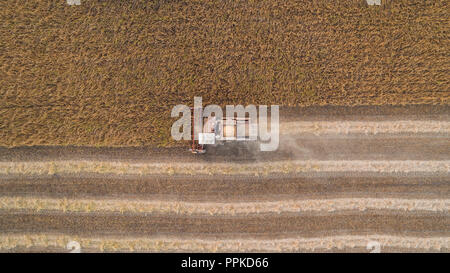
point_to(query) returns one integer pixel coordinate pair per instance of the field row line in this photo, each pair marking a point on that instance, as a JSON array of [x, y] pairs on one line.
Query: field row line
[[256, 169], [365, 127], [221, 208], [228, 245]]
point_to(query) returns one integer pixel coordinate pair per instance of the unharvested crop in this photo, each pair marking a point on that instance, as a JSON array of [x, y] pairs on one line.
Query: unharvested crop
[[108, 72]]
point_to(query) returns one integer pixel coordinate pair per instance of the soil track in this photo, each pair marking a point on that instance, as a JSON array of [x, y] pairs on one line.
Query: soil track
[[257, 226], [229, 189]]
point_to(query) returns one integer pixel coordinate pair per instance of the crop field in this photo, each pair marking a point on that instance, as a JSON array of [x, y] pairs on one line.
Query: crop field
[[107, 73], [87, 159]]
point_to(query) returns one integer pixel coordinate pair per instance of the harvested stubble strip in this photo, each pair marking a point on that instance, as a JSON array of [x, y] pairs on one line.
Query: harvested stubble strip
[[211, 208], [207, 245], [287, 167], [365, 127]]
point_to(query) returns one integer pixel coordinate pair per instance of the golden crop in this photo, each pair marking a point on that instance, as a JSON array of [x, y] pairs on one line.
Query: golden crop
[[109, 72]]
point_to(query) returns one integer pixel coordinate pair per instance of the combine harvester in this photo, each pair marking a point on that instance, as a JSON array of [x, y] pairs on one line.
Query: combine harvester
[[223, 132]]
